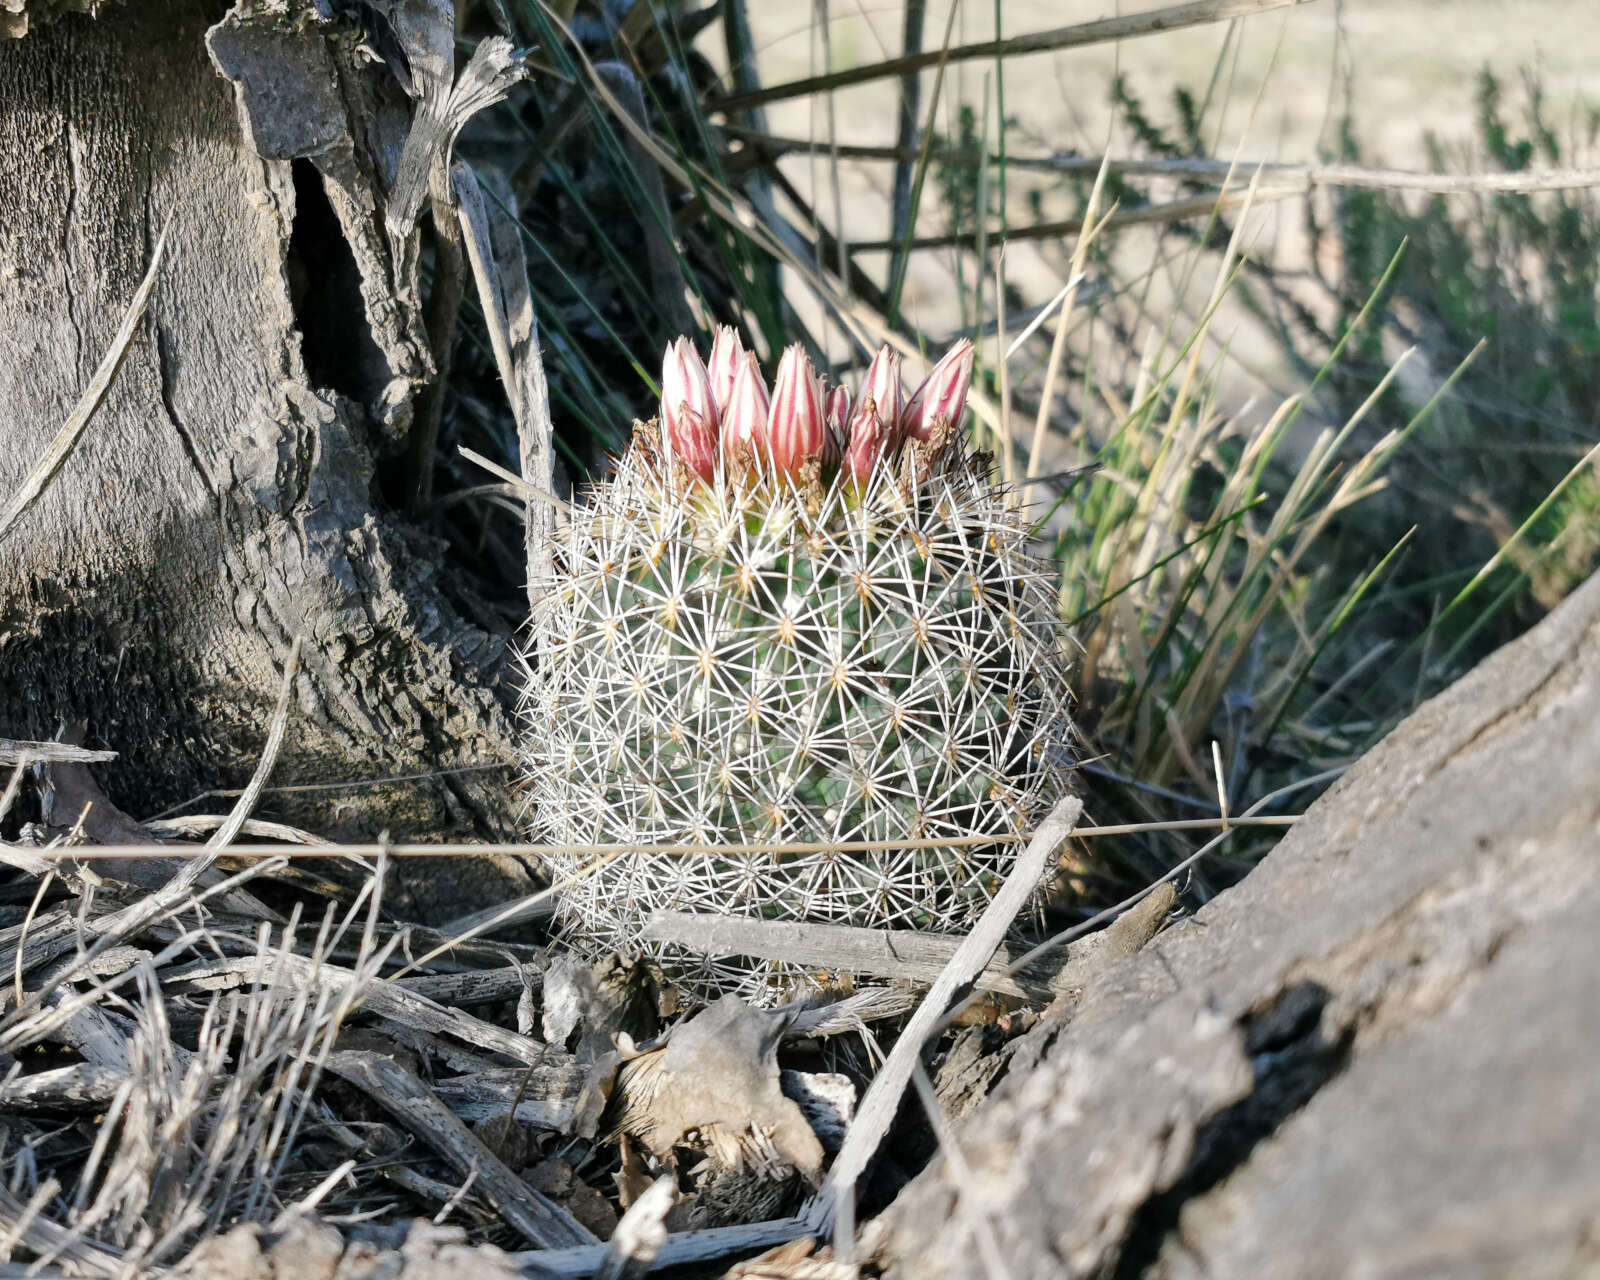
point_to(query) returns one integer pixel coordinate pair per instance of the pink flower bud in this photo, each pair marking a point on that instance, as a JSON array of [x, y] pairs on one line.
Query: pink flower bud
[[836, 412], [874, 427], [795, 426], [727, 352], [744, 421], [942, 395], [687, 412]]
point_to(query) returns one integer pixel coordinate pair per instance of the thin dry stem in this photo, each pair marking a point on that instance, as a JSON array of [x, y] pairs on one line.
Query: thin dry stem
[[1172, 18], [55, 457], [515, 849]]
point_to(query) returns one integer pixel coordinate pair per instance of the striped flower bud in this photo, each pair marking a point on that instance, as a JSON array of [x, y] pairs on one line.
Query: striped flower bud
[[744, 421], [943, 394], [874, 427], [795, 425], [688, 414], [836, 413], [727, 354]]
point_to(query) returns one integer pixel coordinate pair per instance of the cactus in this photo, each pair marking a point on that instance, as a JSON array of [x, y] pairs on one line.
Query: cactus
[[793, 619]]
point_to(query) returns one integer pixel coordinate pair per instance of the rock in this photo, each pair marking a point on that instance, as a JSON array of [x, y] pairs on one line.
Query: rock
[[302, 1248], [1374, 1056], [826, 1099]]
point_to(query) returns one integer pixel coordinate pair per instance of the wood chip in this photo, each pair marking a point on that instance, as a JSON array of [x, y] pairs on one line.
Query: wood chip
[[546, 1096], [484, 81], [1122, 937], [901, 954], [81, 1087], [638, 1239], [14, 751], [481, 986], [386, 999]]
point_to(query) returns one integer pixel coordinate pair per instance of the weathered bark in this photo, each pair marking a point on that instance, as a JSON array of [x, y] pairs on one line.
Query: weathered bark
[[1374, 1056], [224, 500]]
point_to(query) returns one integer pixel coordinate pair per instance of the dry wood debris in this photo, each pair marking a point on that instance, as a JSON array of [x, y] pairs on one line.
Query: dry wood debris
[[240, 1069]]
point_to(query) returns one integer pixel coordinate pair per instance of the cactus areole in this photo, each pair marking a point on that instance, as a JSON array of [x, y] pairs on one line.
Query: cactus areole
[[793, 617]]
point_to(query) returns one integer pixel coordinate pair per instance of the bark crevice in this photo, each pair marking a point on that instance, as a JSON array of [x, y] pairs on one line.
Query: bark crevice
[[337, 348], [1291, 1057]]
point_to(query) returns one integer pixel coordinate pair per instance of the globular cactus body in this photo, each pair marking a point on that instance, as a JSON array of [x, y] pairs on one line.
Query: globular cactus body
[[768, 654]]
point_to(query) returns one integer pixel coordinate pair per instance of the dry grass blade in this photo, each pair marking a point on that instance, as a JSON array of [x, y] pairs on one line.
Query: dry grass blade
[[199, 823], [736, 211], [767, 147], [882, 1099], [191, 1140], [1172, 211], [71, 798], [494, 248], [1117, 910], [61, 447], [1058, 344], [1172, 18], [36, 1017], [1348, 175], [385, 999], [521, 485], [1506, 548], [527, 849], [8, 794], [687, 1249], [269, 755], [177, 895], [1062, 300], [874, 1004], [26, 1224]]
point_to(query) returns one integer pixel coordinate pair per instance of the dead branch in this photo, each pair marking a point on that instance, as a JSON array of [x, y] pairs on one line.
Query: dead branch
[[538, 1218]]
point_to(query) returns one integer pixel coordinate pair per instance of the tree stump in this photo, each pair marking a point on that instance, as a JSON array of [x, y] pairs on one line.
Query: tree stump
[[228, 496]]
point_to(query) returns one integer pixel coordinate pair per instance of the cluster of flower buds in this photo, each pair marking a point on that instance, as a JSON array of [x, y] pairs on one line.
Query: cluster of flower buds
[[801, 428]]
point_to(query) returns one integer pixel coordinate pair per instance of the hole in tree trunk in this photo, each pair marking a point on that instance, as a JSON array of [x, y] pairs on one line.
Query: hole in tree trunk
[[324, 288]]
